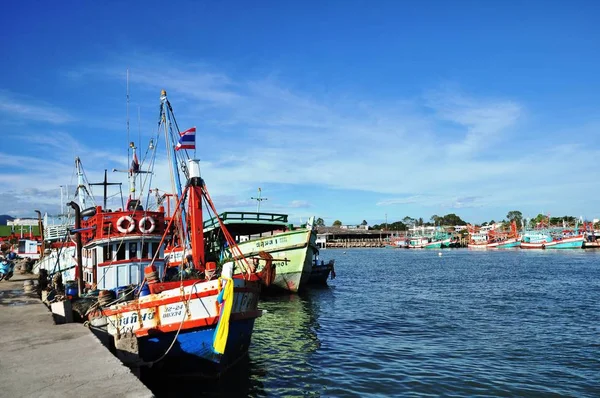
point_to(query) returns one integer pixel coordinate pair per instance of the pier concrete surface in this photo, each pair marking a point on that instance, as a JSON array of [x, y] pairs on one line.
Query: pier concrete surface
[[41, 359]]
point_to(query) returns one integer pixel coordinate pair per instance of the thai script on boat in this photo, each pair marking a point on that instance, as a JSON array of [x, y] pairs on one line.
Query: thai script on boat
[[132, 318], [269, 242]]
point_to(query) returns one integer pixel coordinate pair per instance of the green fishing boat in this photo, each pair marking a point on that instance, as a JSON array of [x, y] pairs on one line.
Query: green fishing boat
[[292, 248]]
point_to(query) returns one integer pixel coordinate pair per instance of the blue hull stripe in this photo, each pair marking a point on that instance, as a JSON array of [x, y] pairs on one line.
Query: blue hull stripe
[[195, 347]]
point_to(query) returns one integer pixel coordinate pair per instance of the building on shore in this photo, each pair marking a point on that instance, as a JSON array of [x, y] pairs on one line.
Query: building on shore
[[351, 237]]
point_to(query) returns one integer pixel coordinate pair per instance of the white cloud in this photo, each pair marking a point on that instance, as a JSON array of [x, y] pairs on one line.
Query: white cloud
[[22, 109], [446, 149]]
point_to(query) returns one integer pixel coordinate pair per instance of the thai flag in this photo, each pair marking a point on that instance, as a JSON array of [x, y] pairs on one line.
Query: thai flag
[[187, 139]]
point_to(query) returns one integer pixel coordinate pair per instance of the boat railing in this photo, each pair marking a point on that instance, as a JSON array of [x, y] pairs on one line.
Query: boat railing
[[56, 232], [243, 216]]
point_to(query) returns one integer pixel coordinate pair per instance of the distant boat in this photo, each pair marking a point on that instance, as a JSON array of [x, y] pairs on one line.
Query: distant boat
[[552, 239], [428, 238], [494, 238]]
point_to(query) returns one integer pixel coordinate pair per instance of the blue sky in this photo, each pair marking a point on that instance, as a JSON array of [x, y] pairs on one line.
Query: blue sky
[[344, 110]]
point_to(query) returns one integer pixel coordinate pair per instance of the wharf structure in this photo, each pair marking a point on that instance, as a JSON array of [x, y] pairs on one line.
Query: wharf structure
[[331, 237], [361, 236]]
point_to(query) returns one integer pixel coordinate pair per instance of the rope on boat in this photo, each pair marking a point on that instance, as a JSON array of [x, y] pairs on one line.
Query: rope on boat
[[230, 241], [192, 288]]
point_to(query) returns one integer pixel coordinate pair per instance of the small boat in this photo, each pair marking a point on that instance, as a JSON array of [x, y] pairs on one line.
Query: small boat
[[320, 271]]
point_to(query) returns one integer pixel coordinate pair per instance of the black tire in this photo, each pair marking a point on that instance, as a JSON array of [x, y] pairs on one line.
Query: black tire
[[543, 246]]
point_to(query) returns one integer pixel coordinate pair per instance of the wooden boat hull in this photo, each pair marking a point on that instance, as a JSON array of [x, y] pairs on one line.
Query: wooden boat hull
[[292, 257], [437, 244], [508, 244], [567, 243], [193, 348], [320, 273], [474, 246], [179, 324]]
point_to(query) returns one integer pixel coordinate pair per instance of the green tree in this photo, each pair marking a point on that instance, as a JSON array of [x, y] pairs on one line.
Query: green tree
[[395, 226], [516, 216], [337, 223], [538, 219], [452, 219], [408, 220], [435, 219], [320, 222]]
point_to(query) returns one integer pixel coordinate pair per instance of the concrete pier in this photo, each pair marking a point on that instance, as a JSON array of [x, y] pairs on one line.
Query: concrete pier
[[41, 359]]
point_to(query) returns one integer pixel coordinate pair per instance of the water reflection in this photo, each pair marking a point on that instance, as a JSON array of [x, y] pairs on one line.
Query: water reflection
[[283, 342], [285, 338]]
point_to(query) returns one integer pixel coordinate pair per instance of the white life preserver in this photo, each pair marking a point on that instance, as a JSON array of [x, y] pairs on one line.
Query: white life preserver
[[127, 230], [142, 225]]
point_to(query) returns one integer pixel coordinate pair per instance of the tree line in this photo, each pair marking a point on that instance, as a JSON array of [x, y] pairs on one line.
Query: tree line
[[452, 219]]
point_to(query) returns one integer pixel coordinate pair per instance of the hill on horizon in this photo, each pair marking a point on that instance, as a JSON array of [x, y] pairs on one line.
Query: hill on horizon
[[4, 218]]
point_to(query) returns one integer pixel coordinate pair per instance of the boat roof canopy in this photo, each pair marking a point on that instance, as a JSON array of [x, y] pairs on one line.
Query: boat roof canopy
[[248, 223]]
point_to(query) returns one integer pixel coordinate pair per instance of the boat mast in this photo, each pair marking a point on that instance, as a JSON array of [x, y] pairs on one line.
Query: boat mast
[[195, 214], [165, 120], [131, 144], [81, 191]]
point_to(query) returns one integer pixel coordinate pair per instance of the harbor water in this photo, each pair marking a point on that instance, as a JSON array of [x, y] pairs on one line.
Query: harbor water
[[401, 322]]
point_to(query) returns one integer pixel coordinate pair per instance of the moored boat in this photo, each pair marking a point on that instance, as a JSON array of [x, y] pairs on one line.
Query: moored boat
[[200, 319], [428, 238], [493, 237], [321, 271], [292, 248], [547, 241], [508, 243]]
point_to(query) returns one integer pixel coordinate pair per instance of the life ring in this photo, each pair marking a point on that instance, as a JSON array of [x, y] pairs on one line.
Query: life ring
[[543, 246], [129, 228], [142, 225]]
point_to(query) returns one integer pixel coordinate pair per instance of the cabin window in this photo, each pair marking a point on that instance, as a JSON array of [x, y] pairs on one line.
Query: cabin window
[[107, 252], [94, 258], [145, 247], [154, 248], [121, 251], [122, 275], [133, 250]]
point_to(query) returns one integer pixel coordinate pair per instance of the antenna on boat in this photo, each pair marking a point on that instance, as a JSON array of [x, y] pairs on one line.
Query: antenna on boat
[[105, 183], [127, 111], [62, 209], [166, 121], [258, 199], [81, 190]]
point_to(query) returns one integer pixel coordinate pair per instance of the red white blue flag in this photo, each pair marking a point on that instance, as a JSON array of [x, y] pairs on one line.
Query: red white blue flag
[[187, 139]]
